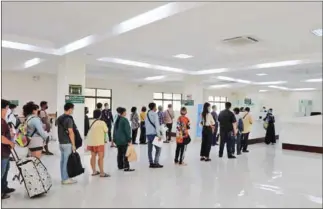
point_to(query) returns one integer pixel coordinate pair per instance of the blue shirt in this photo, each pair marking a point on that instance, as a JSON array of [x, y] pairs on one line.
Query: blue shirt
[[34, 125], [150, 129], [160, 117]]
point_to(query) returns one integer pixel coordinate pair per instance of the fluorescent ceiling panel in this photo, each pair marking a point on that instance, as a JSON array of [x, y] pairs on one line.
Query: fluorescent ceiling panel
[[32, 62], [261, 74], [302, 89], [155, 78], [270, 82], [314, 80], [233, 79], [317, 32], [263, 90], [27, 47], [279, 87], [141, 64], [219, 86], [278, 64], [210, 71], [183, 56]]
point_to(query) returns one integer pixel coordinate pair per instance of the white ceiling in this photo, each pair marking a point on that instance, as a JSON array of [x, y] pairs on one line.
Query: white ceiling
[[282, 28]]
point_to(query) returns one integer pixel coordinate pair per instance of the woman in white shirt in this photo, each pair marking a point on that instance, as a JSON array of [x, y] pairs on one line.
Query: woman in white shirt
[[208, 124]]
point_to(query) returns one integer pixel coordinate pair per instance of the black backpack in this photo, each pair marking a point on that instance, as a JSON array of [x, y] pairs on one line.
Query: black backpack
[[74, 165]]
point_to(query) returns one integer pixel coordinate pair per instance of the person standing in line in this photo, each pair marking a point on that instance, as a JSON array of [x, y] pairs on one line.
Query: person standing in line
[[208, 127], [183, 126], [6, 145], [247, 124], [142, 116], [134, 119], [86, 121], [160, 115], [66, 138], [98, 109], [168, 119], [122, 138], [239, 129], [45, 120], [216, 126], [152, 131], [228, 130], [107, 117], [270, 132], [95, 142]]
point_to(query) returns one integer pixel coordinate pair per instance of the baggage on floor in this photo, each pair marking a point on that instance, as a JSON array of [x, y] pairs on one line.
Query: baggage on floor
[[34, 175]]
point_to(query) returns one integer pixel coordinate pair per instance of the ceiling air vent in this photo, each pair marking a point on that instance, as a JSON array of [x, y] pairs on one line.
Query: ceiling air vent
[[240, 40]]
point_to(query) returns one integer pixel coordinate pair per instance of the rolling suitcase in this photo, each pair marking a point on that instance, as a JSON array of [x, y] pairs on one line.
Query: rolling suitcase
[[34, 175]]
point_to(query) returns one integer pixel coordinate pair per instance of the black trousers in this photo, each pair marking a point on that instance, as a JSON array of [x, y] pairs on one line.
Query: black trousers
[[122, 160], [226, 138], [142, 138], [109, 132], [180, 153], [270, 134], [134, 135], [206, 141], [244, 141], [169, 131]]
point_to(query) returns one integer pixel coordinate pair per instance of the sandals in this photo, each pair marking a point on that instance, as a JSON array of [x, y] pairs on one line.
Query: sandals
[[105, 175], [96, 173]]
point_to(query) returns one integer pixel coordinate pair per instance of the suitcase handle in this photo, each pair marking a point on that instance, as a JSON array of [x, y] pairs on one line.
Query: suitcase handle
[[14, 154]]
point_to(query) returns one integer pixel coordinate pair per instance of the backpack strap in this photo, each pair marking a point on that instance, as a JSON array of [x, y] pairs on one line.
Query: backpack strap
[[150, 120], [93, 123], [35, 131]]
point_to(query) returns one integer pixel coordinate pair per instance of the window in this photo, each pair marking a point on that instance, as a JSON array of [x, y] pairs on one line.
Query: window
[[94, 96], [164, 99], [218, 101]]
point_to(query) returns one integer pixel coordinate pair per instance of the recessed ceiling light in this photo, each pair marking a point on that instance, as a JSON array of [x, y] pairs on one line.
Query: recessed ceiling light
[[233, 79], [210, 71], [314, 80], [219, 86], [317, 32], [32, 62], [263, 90], [141, 64], [277, 64], [155, 78], [270, 82], [279, 87], [302, 89], [261, 74], [183, 56]]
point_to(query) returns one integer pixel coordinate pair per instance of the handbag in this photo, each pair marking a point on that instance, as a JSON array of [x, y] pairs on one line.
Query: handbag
[[131, 154]]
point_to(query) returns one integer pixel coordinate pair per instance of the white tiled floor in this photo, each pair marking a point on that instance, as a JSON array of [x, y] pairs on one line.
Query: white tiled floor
[[265, 177]]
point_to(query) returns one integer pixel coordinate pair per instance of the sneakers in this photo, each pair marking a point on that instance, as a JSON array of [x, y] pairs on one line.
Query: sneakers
[[156, 166], [232, 157], [69, 181], [129, 170], [245, 150], [4, 196], [9, 190]]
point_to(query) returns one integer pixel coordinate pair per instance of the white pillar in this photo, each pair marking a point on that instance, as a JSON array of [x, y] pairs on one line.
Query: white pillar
[[194, 89], [71, 71]]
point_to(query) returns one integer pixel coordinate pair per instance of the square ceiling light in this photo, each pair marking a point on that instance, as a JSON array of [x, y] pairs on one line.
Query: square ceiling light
[[183, 56], [317, 32]]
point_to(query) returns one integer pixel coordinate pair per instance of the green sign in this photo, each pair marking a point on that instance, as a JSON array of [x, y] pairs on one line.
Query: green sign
[[75, 99], [188, 102], [75, 89], [16, 102]]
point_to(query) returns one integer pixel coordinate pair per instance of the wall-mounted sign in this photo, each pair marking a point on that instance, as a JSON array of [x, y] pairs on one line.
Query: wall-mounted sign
[[75, 89], [188, 102], [75, 99], [16, 102], [189, 97]]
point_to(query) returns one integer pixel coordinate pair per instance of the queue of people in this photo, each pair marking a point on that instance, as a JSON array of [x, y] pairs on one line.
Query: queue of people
[[233, 127]]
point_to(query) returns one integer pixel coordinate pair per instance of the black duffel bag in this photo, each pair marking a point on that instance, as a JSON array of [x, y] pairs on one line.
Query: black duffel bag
[[74, 165]]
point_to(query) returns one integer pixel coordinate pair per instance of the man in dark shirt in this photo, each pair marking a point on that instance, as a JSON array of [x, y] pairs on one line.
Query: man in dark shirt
[[107, 117], [228, 129], [98, 110], [6, 145], [66, 138]]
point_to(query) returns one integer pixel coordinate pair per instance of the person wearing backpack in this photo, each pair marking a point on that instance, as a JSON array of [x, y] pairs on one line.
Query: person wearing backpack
[[247, 125], [67, 140], [95, 143], [35, 130], [182, 137], [270, 131], [153, 131], [240, 129]]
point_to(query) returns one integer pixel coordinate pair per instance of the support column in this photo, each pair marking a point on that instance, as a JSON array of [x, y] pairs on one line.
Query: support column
[[195, 91], [71, 71]]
